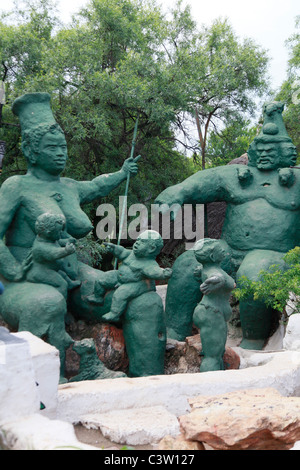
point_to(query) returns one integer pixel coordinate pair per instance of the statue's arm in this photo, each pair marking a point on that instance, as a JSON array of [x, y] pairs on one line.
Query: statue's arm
[[201, 188], [117, 250], [10, 201], [102, 185], [154, 271], [213, 283], [51, 252]]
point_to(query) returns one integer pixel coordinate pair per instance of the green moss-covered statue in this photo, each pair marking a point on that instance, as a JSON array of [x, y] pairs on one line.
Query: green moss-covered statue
[[213, 311], [40, 307], [90, 368], [133, 277], [262, 223], [46, 260], [144, 329]]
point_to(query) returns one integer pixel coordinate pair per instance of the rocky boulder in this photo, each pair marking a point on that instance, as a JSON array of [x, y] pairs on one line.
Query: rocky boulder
[[244, 420], [183, 357]]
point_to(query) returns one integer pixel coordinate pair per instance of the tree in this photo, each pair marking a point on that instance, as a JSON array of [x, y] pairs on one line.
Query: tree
[[230, 143], [290, 90], [103, 72], [223, 76], [123, 60]]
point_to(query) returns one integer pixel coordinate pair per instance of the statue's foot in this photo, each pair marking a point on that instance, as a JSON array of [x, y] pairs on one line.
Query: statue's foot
[[172, 334], [93, 299], [211, 364], [255, 344], [111, 316]]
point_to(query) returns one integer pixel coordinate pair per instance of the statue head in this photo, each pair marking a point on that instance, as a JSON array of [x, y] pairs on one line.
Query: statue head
[[43, 141], [50, 226], [272, 148], [208, 250], [148, 244]]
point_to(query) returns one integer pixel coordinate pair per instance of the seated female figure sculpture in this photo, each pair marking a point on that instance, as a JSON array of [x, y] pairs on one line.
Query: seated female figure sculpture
[[262, 223], [41, 308]]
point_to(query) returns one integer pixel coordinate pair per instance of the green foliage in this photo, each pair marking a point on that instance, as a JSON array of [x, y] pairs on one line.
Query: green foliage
[[102, 71], [90, 251], [119, 60], [275, 285], [290, 90], [229, 74], [230, 143]]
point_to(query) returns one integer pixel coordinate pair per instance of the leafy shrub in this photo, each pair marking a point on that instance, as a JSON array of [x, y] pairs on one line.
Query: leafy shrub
[[275, 285], [90, 251]]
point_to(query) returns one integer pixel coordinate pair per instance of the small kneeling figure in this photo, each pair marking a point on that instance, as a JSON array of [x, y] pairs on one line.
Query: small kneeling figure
[[213, 312]]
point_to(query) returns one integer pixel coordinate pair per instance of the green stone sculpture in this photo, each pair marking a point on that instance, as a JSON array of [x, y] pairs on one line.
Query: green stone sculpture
[[135, 277], [213, 311], [91, 368], [46, 261], [40, 307], [262, 223]]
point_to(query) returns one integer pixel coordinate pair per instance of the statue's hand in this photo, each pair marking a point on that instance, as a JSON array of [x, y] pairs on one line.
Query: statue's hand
[[167, 273], [19, 274], [70, 248], [130, 165], [211, 284], [66, 241], [198, 272], [110, 246]]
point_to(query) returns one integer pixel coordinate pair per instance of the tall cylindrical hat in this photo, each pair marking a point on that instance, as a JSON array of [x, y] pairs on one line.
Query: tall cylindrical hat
[[33, 110], [273, 128]]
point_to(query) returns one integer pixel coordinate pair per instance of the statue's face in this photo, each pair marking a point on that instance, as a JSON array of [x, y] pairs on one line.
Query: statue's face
[[268, 156], [52, 154], [210, 254], [288, 154], [55, 233], [143, 248]]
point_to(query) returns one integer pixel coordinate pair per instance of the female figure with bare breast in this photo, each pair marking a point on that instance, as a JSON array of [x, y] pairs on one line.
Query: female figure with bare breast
[[41, 308]]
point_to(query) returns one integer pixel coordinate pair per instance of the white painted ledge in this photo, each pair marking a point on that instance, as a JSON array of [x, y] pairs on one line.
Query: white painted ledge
[[279, 370]]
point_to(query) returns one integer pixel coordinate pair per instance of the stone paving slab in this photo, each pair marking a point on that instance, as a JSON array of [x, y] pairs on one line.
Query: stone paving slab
[[137, 426]]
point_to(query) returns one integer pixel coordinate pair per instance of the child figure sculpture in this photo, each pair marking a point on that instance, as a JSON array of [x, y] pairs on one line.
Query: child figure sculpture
[[132, 278], [46, 263], [213, 312]]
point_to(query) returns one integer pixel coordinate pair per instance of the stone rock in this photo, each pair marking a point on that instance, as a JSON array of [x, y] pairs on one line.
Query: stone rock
[[292, 305], [291, 338], [36, 432], [179, 443], [19, 394], [185, 356], [134, 426], [258, 419], [109, 342]]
